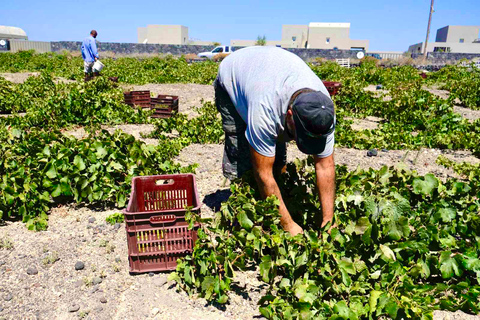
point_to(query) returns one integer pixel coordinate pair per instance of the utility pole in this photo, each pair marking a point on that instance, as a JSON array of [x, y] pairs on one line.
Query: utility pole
[[428, 31]]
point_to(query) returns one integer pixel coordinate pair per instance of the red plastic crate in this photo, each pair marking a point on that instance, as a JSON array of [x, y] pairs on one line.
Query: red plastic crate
[[157, 233], [332, 87], [137, 98], [164, 106]]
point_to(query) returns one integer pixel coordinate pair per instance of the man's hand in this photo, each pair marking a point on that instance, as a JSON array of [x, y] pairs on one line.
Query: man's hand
[[96, 58], [325, 170], [263, 171]]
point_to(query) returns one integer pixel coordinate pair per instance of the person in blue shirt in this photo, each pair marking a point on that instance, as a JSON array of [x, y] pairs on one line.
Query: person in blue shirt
[[90, 55]]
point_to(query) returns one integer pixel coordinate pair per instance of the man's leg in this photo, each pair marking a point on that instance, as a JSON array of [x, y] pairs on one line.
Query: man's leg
[[87, 68], [96, 74], [236, 156]]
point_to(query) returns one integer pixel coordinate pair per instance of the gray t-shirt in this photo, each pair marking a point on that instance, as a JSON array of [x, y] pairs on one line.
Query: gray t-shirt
[[260, 82]]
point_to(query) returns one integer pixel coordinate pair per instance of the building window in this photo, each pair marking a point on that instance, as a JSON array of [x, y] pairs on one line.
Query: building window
[[462, 40], [441, 49], [328, 41], [294, 38]]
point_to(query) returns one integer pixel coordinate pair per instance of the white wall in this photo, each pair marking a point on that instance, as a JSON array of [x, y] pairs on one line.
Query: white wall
[[23, 45], [163, 34]]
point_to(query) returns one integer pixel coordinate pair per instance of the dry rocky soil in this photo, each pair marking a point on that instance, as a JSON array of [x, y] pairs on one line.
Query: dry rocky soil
[[38, 270]]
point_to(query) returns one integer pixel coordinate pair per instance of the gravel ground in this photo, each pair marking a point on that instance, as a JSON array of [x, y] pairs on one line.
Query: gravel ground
[[469, 114], [134, 129], [40, 280], [369, 123], [20, 77]]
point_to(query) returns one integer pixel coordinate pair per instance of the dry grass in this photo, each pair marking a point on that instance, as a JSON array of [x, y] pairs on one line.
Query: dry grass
[[220, 57], [190, 56]]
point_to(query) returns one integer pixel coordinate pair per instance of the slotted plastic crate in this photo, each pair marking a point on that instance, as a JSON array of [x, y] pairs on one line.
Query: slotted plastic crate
[[164, 106], [157, 233], [332, 87], [137, 98]]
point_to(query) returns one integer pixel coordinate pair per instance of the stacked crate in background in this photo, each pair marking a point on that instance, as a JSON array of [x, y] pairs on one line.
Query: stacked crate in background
[[163, 106], [332, 87]]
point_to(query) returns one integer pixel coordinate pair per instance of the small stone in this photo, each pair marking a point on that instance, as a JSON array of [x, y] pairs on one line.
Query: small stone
[[1, 309], [97, 280], [372, 153], [155, 311], [89, 226], [103, 300], [79, 283], [94, 289], [117, 226], [32, 271], [118, 260], [92, 219], [99, 309], [79, 265], [2, 263], [8, 297], [384, 150], [160, 281], [74, 308], [151, 274]]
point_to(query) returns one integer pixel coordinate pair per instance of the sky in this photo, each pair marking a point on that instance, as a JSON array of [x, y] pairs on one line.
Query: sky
[[389, 25]]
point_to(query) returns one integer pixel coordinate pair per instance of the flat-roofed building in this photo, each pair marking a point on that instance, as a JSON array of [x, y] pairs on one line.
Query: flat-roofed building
[[316, 35], [163, 34], [457, 39]]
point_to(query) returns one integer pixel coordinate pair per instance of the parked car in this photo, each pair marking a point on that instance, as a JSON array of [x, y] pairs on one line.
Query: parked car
[[214, 52]]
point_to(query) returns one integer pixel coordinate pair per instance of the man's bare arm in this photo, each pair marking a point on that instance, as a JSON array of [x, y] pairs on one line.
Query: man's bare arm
[[325, 170], [263, 171]]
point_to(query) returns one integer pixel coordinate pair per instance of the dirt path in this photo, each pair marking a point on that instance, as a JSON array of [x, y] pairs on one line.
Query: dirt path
[[469, 114], [20, 77]]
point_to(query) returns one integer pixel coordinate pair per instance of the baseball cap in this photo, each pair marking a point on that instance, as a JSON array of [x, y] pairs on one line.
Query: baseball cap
[[314, 116]]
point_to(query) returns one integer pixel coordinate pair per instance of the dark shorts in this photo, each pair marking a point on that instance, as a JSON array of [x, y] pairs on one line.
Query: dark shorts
[[236, 155]]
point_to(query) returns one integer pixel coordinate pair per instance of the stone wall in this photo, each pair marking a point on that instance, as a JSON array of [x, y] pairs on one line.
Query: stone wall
[[443, 57], [309, 54], [140, 48], [133, 48], [305, 54]]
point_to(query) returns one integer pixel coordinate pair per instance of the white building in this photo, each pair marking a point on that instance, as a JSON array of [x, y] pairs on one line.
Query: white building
[[167, 34], [458, 39], [12, 33], [316, 35]]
